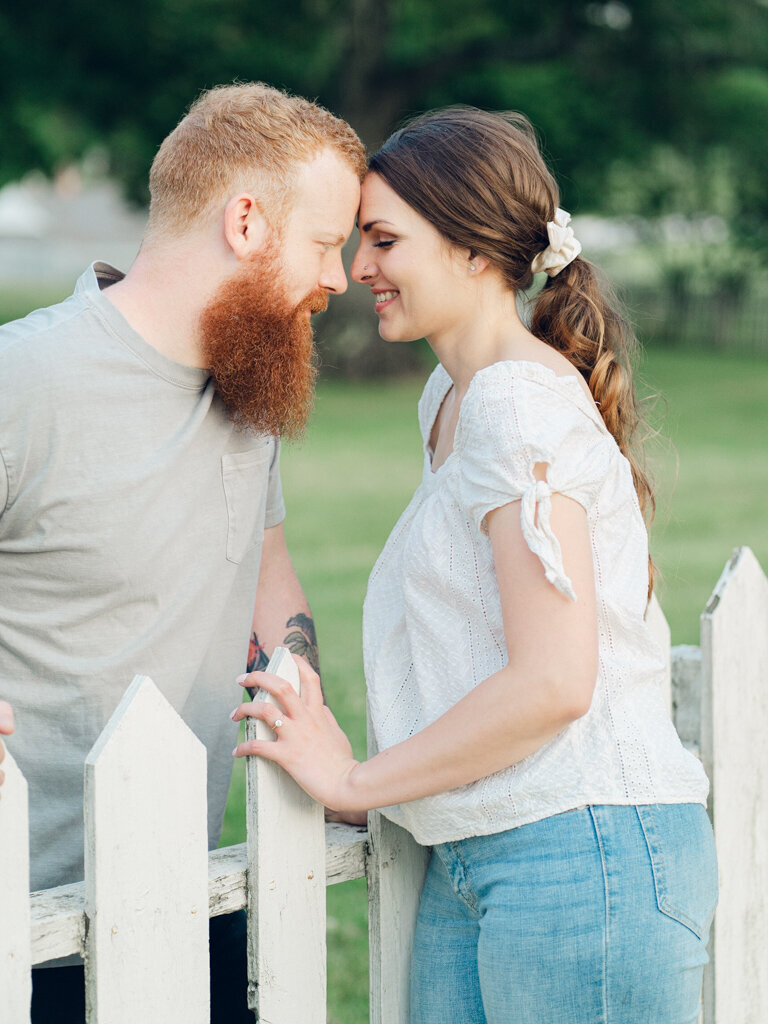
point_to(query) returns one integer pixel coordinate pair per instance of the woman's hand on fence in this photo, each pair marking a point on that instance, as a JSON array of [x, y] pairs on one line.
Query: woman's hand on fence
[[6, 728], [309, 743]]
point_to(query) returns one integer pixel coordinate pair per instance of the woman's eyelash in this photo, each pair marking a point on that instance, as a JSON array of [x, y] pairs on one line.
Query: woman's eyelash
[[383, 245]]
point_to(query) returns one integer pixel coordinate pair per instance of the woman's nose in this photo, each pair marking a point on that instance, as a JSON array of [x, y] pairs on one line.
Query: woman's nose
[[362, 271]]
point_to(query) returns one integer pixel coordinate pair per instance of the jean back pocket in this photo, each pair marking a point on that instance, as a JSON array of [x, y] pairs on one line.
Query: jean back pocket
[[681, 847]]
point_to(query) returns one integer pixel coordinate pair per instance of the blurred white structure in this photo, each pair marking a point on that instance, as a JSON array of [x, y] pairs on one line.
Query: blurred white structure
[[51, 231]]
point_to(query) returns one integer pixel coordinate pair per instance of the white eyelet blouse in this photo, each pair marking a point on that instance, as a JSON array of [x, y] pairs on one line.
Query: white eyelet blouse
[[432, 623]]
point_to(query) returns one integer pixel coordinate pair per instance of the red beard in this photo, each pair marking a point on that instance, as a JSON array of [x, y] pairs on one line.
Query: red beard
[[258, 346]]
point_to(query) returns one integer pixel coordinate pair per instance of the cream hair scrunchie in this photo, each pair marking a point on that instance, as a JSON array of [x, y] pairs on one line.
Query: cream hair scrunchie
[[563, 246]]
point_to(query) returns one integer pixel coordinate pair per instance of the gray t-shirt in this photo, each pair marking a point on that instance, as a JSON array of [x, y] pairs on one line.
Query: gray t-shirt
[[132, 513]]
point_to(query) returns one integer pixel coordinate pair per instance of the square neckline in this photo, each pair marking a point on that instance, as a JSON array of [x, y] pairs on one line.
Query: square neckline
[[529, 369]]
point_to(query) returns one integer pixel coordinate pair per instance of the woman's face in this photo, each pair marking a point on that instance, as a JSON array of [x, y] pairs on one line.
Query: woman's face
[[419, 282]]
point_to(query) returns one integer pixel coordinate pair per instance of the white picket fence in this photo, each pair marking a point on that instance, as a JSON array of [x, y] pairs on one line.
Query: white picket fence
[[140, 917]]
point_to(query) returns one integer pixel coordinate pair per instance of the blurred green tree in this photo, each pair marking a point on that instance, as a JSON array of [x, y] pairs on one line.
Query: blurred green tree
[[602, 81], [616, 88]]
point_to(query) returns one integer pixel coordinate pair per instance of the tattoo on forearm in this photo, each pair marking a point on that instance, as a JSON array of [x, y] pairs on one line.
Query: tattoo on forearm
[[257, 656], [303, 639]]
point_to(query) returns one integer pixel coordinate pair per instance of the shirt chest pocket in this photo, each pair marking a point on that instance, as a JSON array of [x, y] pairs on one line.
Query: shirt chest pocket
[[245, 476]]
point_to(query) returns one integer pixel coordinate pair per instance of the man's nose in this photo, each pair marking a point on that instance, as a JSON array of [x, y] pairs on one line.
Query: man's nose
[[333, 278]]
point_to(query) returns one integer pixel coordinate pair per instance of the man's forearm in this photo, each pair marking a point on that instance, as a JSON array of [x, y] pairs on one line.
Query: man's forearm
[[300, 638], [281, 615]]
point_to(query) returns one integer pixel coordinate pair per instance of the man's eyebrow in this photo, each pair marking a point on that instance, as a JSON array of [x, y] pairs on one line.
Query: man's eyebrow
[[373, 223], [334, 239]]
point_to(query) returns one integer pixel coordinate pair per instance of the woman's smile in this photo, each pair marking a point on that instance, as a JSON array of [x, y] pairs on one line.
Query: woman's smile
[[383, 299]]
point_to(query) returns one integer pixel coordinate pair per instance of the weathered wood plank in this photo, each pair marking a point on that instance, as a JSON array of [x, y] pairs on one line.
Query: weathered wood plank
[[686, 695], [15, 964], [396, 868], [58, 922], [227, 880], [286, 875], [397, 865], [58, 915], [346, 851], [146, 867], [734, 644]]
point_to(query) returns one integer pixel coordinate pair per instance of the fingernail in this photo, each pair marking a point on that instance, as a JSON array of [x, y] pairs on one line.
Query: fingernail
[[234, 752], [6, 722], [242, 678], [233, 713]]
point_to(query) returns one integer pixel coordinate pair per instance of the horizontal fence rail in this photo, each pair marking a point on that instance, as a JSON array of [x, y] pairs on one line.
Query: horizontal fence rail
[[139, 918], [58, 917]]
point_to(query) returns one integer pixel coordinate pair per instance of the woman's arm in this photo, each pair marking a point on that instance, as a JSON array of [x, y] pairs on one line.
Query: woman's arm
[[547, 683]]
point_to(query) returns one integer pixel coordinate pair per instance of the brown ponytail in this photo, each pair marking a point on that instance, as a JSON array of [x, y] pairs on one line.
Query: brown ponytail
[[576, 313], [481, 181]]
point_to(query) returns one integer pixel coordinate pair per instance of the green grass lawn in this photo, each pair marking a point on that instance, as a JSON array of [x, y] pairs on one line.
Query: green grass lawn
[[711, 470], [348, 482]]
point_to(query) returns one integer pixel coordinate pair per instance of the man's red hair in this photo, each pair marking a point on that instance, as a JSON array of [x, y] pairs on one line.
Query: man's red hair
[[248, 137]]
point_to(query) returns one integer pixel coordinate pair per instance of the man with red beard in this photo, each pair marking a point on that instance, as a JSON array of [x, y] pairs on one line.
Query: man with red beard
[[140, 502]]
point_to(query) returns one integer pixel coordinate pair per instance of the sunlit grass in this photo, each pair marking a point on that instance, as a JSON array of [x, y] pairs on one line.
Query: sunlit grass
[[712, 479]]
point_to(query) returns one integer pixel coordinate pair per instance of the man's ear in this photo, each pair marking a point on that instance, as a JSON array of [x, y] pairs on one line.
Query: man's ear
[[245, 226]]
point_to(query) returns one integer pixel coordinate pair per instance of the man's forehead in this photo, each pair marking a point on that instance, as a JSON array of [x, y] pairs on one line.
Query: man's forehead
[[337, 195], [328, 203], [327, 167]]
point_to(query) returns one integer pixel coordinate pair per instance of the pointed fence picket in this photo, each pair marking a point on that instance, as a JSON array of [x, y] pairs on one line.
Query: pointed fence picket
[[396, 869], [15, 928], [286, 866], [734, 729], [139, 918], [146, 865]]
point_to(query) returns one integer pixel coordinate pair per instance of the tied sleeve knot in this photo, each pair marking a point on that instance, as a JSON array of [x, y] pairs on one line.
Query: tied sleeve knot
[[539, 536]]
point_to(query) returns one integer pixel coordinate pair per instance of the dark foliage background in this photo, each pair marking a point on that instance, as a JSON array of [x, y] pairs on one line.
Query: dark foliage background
[[643, 106]]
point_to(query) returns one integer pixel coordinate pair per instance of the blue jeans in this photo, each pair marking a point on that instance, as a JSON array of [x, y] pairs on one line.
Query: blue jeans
[[596, 916]]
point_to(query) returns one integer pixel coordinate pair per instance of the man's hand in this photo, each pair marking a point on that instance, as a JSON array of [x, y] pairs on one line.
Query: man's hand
[[6, 728]]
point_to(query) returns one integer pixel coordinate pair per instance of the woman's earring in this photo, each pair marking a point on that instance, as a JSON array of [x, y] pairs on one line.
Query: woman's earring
[[472, 266]]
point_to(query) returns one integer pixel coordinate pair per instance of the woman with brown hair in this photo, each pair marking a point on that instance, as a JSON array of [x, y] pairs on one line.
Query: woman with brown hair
[[514, 688]]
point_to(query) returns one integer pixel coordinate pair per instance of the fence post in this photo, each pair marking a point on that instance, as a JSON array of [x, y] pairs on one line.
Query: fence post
[[734, 644], [686, 695], [286, 884], [15, 956], [146, 867], [395, 869]]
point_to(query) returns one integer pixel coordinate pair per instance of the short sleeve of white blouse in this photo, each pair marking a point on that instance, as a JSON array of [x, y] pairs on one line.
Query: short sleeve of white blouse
[[432, 624], [514, 420]]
